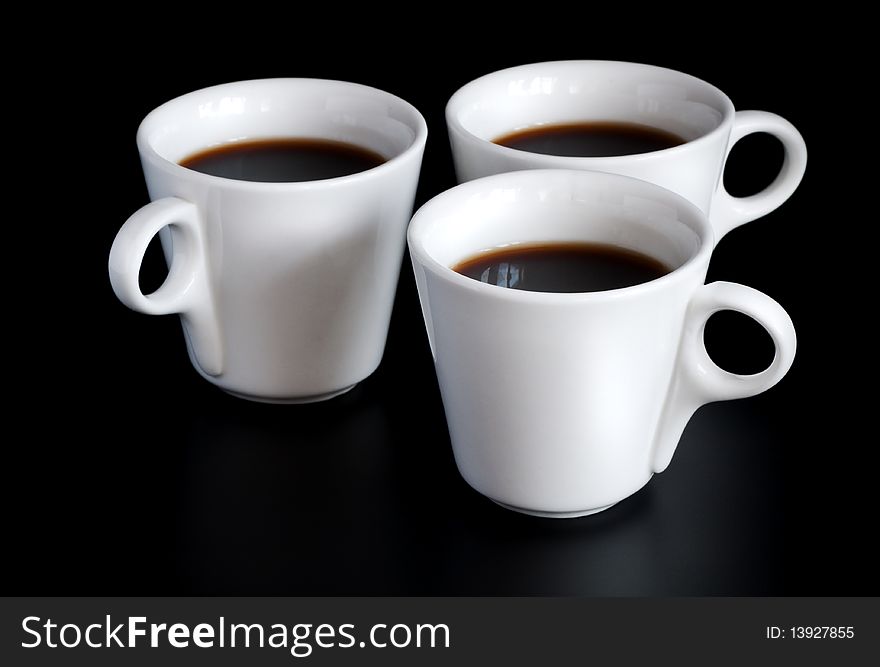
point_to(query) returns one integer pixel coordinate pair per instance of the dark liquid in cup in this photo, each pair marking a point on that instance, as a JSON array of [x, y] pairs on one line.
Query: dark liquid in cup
[[562, 267], [283, 160], [590, 139]]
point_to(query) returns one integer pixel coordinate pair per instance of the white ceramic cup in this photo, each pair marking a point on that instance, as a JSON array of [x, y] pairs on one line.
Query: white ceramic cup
[[284, 289], [560, 405], [571, 91]]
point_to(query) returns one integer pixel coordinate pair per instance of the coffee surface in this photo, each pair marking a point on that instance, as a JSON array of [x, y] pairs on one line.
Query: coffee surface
[[562, 267], [590, 139], [284, 160]]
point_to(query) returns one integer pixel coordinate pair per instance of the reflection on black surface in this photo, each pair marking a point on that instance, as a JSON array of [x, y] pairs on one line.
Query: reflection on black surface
[[341, 498], [279, 497]]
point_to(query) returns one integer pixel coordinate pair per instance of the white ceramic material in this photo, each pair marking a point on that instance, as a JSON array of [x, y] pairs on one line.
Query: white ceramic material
[[284, 289], [571, 91], [560, 405]]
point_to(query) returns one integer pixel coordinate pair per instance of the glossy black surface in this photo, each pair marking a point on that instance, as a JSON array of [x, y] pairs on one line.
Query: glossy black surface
[[132, 475]]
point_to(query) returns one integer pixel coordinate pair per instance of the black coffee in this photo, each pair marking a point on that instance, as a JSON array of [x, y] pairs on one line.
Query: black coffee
[[562, 267], [283, 160], [590, 139]]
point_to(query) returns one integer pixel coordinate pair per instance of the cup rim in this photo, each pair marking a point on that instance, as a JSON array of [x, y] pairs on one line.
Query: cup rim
[[455, 124], [417, 232], [176, 170]]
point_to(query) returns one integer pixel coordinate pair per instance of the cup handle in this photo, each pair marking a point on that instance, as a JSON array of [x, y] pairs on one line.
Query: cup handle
[[729, 212], [698, 380], [186, 290]]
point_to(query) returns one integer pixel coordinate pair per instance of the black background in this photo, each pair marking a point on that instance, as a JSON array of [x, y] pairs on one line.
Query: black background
[[129, 474]]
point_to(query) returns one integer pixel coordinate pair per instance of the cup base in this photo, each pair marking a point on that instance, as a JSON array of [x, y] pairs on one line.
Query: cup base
[[554, 515], [292, 401]]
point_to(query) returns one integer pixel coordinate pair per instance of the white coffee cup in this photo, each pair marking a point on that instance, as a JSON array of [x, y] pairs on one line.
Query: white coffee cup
[[572, 91], [560, 405], [284, 289]]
